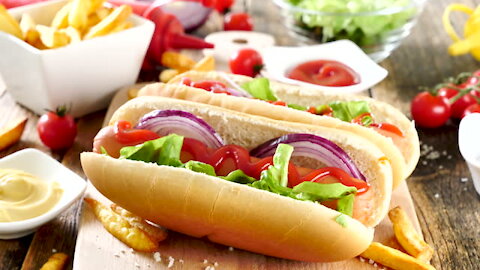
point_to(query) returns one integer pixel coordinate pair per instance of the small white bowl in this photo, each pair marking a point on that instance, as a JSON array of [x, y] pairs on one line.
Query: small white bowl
[[47, 169], [84, 75], [279, 60], [468, 135]]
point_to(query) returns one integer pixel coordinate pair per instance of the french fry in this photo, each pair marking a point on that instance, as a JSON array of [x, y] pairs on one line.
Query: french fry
[[103, 12], [105, 26], [156, 233], [51, 37], [119, 227], [408, 237], [207, 63], [72, 33], [177, 61], [8, 24], [78, 15], [60, 20], [30, 34], [96, 5], [394, 258], [168, 74], [12, 133], [57, 261], [122, 26]]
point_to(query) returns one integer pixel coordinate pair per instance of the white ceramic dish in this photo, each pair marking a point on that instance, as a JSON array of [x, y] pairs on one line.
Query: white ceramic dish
[[84, 75], [279, 60], [468, 135], [47, 169]]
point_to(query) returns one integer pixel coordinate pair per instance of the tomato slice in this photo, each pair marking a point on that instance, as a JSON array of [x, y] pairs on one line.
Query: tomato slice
[[389, 127], [125, 134]]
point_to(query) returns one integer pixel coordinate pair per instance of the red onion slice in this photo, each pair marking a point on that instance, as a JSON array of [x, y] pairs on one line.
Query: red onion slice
[[312, 146], [191, 15], [233, 88], [164, 122]]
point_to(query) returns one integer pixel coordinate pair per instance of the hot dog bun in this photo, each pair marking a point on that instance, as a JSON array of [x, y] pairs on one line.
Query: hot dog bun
[[237, 215], [404, 156]]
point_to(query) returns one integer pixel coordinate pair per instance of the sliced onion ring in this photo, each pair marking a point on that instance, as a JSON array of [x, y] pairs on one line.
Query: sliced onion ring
[[164, 122], [312, 146], [233, 88]]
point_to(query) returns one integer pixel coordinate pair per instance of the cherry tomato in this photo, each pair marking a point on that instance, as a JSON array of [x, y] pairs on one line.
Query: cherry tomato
[[459, 106], [219, 5], [430, 111], [246, 62], [57, 130], [474, 108], [237, 21], [447, 92]]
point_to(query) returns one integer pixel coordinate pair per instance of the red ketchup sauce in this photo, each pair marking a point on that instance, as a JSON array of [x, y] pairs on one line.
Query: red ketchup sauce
[[324, 72], [232, 157]]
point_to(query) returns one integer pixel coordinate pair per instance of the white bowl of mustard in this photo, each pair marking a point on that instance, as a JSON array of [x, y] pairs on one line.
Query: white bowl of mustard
[[52, 189]]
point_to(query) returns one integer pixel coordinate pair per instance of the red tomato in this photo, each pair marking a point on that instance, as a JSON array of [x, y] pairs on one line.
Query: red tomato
[[474, 108], [57, 130], [246, 62], [459, 106], [124, 133], [219, 5], [430, 111], [447, 92], [237, 21]]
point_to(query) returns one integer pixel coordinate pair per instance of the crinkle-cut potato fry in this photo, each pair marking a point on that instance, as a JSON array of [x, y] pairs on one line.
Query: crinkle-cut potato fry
[[72, 33], [119, 227], [51, 37], [168, 74], [156, 233], [8, 24], [394, 258], [57, 261], [177, 61], [60, 20], [207, 63], [105, 26], [78, 15], [408, 237], [30, 33]]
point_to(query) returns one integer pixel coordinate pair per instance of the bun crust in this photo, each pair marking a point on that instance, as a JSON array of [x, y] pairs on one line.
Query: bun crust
[[404, 157], [227, 213]]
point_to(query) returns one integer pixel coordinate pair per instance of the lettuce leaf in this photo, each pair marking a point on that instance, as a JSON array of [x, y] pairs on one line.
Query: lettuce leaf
[[200, 167], [260, 88], [323, 192], [347, 111], [163, 151], [238, 176]]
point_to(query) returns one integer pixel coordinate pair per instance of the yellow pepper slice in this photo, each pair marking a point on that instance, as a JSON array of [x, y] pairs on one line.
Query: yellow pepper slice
[[471, 31]]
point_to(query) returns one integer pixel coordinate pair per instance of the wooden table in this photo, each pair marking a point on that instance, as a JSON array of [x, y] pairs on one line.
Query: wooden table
[[448, 208]]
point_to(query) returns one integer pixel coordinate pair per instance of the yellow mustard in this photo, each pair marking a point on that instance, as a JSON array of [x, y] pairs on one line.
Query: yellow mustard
[[24, 196]]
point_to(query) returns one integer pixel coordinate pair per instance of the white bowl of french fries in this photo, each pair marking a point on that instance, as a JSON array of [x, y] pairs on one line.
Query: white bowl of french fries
[[75, 53]]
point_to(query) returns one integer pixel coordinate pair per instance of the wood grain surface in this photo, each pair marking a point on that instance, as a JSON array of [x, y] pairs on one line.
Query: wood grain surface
[[448, 208]]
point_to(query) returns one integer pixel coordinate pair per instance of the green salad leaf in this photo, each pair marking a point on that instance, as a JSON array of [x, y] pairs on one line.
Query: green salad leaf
[[347, 111], [364, 30], [260, 88], [163, 151]]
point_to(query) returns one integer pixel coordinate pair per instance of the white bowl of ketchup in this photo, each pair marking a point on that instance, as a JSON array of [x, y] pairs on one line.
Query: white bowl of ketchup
[[339, 67]]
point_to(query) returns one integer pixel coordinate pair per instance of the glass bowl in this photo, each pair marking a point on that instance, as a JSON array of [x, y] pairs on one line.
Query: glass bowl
[[378, 31]]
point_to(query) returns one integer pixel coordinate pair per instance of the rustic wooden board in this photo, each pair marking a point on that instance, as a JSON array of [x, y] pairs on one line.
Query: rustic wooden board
[[97, 249]]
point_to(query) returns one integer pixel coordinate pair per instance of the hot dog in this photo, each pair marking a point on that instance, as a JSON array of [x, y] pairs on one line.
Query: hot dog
[[177, 178], [379, 122]]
